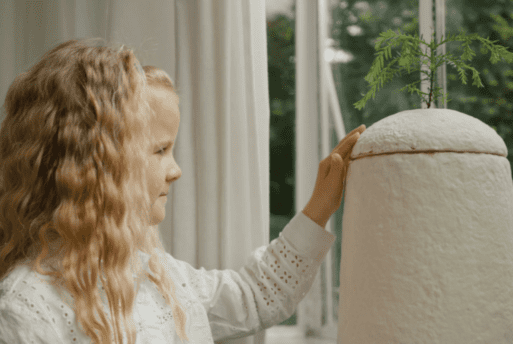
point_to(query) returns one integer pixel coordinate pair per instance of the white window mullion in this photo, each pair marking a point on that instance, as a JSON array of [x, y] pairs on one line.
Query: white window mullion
[[426, 28], [324, 68], [440, 31], [335, 105], [426, 33], [309, 310]]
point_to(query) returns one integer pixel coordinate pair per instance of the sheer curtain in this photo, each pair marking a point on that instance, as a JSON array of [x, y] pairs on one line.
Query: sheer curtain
[[219, 211], [216, 52]]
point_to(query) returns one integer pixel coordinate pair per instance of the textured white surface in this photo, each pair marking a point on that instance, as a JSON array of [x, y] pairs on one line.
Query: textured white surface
[[427, 239], [429, 129]]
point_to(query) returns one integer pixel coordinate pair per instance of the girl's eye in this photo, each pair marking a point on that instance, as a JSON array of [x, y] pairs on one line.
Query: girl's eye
[[162, 150]]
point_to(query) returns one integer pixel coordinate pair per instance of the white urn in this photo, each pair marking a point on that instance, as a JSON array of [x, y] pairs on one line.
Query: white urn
[[427, 235]]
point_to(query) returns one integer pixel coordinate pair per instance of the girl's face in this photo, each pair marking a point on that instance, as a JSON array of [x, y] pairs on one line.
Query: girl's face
[[163, 169]]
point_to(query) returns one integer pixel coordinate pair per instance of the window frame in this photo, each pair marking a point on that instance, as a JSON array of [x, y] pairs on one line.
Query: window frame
[[317, 101]]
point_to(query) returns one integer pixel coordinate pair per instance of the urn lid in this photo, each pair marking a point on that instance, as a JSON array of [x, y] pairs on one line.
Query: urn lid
[[429, 130]]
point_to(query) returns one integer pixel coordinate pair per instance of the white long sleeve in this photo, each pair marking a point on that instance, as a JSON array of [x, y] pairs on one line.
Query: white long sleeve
[[219, 304]]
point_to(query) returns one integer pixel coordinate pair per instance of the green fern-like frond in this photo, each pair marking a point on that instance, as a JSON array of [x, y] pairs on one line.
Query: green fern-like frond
[[463, 77], [412, 57]]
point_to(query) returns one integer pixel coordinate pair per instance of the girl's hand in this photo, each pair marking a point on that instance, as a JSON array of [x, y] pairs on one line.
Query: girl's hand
[[327, 194]]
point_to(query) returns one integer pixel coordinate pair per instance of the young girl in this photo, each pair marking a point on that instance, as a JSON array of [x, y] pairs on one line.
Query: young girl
[[86, 161]]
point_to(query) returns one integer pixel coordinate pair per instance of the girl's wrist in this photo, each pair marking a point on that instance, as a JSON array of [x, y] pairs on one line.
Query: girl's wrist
[[318, 219]]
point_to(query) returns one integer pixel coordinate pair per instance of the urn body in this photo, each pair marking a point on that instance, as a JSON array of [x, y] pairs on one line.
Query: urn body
[[427, 235]]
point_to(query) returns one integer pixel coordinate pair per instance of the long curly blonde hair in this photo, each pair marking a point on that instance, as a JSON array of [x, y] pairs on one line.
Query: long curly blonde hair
[[73, 145]]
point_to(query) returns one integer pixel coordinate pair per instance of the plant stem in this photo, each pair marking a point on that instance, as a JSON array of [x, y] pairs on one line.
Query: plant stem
[[433, 60], [431, 89]]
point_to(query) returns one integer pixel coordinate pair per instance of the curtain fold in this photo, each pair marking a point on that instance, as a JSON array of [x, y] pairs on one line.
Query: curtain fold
[[216, 53], [223, 143]]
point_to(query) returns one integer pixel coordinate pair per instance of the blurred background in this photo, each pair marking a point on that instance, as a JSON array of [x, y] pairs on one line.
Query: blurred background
[[353, 29]]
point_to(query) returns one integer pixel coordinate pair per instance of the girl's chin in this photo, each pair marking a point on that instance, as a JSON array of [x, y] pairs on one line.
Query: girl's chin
[[157, 218]]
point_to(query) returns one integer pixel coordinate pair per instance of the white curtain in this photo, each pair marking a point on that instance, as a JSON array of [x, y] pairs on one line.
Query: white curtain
[[216, 52], [219, 210]]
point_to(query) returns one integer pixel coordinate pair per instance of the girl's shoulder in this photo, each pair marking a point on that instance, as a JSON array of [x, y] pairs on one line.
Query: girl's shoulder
[[18, 280], [26, 308], [24, 283], [31, 297]]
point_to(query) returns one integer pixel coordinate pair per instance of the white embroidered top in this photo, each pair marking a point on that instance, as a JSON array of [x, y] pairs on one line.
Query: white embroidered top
[[219, 304]]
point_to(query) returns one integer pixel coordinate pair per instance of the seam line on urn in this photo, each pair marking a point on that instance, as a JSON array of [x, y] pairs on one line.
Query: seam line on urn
[[430, 152]]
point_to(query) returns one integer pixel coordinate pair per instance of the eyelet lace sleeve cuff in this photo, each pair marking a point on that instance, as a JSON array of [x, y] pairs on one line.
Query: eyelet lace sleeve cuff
[[307, 237]]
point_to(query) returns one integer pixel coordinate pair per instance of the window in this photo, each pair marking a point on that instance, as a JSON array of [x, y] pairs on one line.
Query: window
[[311, 119]]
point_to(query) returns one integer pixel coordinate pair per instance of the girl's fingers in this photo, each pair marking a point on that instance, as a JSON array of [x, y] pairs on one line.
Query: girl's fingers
[[360, 130], [346, 149]]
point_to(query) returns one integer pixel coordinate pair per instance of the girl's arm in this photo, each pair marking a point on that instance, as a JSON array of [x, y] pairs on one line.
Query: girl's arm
[[267, 290]]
